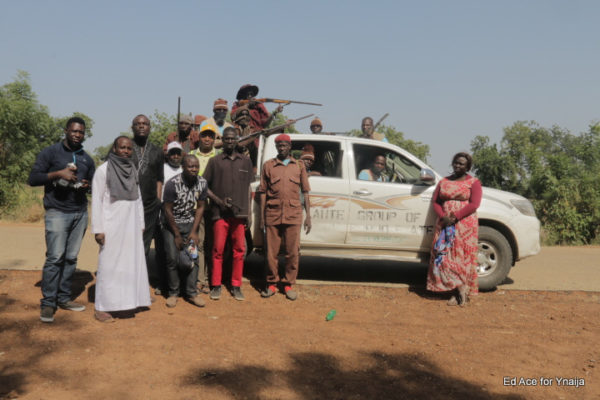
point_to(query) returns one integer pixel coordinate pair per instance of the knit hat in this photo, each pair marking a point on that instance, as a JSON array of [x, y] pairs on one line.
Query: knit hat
[[284, 137], [186, 118], [317, 122], [220, 104], [198, 119], [241, 94], [307, 156]]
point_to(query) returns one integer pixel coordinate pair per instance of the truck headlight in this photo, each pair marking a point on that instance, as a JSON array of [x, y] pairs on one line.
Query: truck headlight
[[524, 206]]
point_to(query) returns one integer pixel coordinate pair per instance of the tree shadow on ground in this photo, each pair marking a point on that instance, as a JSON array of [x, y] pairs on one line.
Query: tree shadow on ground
[[322, 376], [78, 282], [23, 352]]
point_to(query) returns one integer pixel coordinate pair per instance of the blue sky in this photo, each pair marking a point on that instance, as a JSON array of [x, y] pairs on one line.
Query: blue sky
[[446, 71]]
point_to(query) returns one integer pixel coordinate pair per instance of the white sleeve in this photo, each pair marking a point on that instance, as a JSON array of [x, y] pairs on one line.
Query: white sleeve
[[140, 209], [98, 189]]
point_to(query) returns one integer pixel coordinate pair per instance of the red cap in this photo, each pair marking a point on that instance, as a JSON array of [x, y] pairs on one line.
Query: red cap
[[284, 137]]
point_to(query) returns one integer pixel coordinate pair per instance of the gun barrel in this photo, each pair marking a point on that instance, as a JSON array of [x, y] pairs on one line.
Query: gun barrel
[[380, 120], [280, 101]]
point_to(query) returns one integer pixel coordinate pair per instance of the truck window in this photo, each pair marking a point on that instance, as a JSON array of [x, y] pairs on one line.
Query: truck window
[[327, 157], [398, 169]]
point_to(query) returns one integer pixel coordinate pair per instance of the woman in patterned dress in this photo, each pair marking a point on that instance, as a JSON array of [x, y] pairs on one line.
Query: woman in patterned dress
[[453, 264]]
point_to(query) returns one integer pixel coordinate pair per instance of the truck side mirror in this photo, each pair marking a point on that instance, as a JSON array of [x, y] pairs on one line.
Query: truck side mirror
[[427, 176]]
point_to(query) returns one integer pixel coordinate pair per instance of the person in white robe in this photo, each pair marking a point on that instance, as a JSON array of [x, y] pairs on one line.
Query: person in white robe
[[118, 225]]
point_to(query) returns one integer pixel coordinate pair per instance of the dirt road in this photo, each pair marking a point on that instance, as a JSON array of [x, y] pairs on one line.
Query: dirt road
[[386, 341], [555, 268]]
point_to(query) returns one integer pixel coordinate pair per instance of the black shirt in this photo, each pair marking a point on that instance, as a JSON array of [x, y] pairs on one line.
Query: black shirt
[[227, 177], [184, 197], [54, 158], [149, 161]]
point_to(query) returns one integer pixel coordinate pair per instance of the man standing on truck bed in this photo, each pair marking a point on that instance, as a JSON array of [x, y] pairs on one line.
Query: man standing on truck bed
[[282, 181], [368, 130]]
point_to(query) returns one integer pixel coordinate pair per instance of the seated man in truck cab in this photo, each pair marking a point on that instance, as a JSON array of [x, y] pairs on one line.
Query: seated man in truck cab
[[375, 172]]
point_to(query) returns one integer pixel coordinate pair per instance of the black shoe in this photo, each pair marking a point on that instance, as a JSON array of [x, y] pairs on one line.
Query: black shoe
[[47, 314], [71, 306], [236, 292], [215, 293]]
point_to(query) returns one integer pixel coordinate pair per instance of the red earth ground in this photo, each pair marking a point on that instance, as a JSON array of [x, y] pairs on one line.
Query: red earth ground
[[384, 343]]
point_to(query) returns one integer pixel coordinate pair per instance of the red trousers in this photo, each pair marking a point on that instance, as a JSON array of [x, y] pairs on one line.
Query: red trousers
[[233, 228], [290, 234]]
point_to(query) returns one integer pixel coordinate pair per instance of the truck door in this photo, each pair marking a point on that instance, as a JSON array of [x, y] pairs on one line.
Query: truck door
[[392, 212], [329, 200]]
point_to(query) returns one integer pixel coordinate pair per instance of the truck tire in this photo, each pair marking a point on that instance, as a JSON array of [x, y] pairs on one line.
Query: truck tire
[[494, 258]]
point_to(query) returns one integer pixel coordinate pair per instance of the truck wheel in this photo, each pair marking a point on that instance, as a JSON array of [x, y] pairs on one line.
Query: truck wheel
[[494, 258]]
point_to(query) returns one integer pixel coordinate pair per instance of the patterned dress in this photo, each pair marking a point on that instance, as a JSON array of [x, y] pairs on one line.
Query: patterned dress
[[453, 260]]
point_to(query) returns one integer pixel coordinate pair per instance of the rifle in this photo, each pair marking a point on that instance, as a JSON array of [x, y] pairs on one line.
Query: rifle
[[274, 129], [178, 112], [380, 121], [278, 101]]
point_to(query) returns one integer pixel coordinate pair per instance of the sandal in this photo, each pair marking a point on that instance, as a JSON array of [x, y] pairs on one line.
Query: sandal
[[103, 316], [463, 297], [452, 301]]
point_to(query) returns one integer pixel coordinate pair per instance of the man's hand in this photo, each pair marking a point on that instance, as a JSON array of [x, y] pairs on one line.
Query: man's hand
[[85, 184], [278, 110], [179, 242], [307, 224], [67, 174], [99, 238], [194, 237]]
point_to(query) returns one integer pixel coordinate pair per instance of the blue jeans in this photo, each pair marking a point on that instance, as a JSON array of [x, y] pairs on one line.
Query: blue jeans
[[64, 233]]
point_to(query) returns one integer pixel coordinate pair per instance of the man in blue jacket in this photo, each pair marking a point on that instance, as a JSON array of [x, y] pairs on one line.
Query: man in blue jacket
[[66, 172]]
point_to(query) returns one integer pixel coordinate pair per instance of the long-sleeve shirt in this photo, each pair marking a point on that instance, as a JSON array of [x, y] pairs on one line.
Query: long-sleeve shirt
[[258, 116], [282, 184], [230, 177], [54, 158]]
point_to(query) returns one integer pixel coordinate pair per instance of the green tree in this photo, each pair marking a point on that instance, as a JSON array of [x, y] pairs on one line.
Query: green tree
[[281, 119], [26, 127], [555, 169]]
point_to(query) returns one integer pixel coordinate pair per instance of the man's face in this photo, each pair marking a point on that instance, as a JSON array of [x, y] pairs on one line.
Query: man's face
[[185, 126], [174, 158], [367, 126], [230, 141], [124, 148], [207, 141], [308, 162], [141, 127], [190, 166], [219, 114], [283, 149], [379, 164], [75, 135], [244, 118], [316, 128]]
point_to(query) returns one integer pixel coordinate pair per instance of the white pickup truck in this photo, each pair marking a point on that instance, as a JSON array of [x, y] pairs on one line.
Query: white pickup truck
[[366, 220]]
